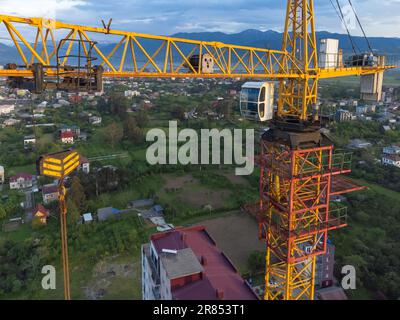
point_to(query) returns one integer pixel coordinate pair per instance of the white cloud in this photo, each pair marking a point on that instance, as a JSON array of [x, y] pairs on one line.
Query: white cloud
[[39, 8], [379, 17]]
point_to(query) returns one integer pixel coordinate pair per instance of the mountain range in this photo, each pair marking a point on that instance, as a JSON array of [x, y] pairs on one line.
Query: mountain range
[[254, 38], [273, 40]]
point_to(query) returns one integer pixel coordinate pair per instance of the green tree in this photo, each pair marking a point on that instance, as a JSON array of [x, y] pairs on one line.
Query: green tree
[[178, 112], [131, 130], [77, 193], [119, 105], [256, 261], [3, 213], [142, 119], [113, 134]]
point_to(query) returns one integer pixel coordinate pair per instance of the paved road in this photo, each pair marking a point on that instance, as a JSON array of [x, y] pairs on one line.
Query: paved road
[[29, 200]]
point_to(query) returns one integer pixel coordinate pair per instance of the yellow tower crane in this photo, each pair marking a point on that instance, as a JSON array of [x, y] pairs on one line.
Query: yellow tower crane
[[297, 164]]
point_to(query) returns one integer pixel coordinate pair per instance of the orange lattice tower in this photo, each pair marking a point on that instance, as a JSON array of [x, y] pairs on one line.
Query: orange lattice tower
[[299, 175]]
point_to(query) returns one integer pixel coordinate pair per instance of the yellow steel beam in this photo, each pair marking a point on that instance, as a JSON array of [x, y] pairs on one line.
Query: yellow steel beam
[[231, 61], [221, 52]]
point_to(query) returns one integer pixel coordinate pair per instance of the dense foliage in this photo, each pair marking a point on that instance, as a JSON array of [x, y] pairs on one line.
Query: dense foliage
[[371, 242]]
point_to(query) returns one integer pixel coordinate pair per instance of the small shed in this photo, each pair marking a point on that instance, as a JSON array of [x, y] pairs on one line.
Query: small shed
[[87, 217]]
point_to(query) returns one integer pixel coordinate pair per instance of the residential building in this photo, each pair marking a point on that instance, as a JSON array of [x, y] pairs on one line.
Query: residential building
[[21, 181], [76, 131], [2, 175], [10, 122], [132, 93], [186, 264], [82, 136], [84, 165], [50, 193], [63, 103], [391, 150], [42, 105], [343, 115], [325, 267], [73, 98], [361, 109], [6, 109], [67, 137], [40, 214], [391, 160], [29, 141], [352, 103], [94, 120], [22, 93], [372, 108]]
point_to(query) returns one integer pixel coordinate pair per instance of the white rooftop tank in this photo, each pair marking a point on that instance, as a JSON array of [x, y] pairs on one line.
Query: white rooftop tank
[[329, 53]]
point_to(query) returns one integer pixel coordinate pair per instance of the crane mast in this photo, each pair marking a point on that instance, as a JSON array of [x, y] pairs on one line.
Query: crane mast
[[297, 96], [299, 169]]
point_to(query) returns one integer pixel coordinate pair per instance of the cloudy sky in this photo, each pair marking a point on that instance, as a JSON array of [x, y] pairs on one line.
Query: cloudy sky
[[379, 17]]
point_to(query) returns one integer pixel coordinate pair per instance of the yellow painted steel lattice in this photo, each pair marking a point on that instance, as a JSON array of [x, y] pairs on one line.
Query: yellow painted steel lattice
[[59, 165]]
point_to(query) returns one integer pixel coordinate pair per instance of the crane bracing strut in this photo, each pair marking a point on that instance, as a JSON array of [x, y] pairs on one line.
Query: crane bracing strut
[[298, 165]]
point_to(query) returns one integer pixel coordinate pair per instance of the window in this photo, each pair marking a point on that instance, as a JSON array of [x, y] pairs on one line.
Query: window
[[261, 110], [250, 95], [262, 95]]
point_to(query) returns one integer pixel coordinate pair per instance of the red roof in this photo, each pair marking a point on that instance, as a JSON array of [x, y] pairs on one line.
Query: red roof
[[67, 134], [219, 275], [50, 188], [41, 209], [25, 176]]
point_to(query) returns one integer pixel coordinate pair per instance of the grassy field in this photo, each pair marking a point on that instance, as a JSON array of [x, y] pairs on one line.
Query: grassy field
[[30, 168]]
